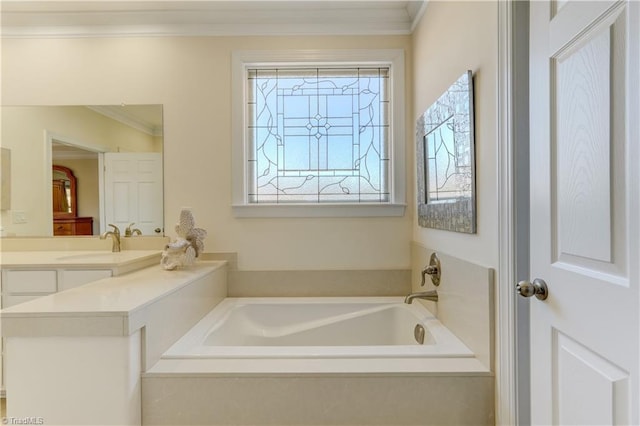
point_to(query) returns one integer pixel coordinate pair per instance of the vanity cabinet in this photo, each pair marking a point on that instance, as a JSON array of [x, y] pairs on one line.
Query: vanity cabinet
[[30, 275], [22, 285]]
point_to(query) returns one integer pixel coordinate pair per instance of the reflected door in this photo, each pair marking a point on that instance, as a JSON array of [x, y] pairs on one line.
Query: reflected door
[[133, 191], [585, 226]]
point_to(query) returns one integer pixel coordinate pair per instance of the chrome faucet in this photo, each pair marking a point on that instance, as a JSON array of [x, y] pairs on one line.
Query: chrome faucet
[[434, 270], [431, 295], [130, 232], [115, 236]]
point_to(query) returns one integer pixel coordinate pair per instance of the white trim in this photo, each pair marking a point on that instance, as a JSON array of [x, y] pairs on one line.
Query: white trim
[[205, 18], [318, 210], [417, 16], [102, 206], [49, 137], [48, 176], [506, 406], [241, 60]]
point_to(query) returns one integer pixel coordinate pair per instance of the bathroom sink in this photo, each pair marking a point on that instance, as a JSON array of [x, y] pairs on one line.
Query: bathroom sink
[[107, 257], [92, 256], [87, 256], [119, 263]]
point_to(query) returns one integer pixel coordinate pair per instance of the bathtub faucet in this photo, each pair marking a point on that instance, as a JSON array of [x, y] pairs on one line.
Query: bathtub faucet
[[434, 270], [431, 295]]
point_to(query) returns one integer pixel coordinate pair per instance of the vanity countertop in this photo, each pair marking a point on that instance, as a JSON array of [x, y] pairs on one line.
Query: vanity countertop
[[110, 306], [124, 261]]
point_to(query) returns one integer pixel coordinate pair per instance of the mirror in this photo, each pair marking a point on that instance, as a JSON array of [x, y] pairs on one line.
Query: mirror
[[87, 141], [445, 160]]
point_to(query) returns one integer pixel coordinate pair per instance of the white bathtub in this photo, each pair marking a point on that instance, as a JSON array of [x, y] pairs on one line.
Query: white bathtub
[[369, 327], [310, 361]]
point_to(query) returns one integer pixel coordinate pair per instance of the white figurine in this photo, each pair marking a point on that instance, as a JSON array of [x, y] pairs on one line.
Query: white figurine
[[187, 246]]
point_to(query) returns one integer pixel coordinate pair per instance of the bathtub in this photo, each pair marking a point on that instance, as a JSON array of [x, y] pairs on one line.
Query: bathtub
[[311, 361], [330, 327]]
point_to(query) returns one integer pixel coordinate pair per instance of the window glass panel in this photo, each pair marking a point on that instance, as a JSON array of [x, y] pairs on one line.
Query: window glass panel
[[318, 135]]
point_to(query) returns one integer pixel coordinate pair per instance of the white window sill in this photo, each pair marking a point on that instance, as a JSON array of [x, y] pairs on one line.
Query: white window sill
[[319, 210]]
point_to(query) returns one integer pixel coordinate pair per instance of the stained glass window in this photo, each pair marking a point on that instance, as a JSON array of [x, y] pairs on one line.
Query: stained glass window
[[318, 135]]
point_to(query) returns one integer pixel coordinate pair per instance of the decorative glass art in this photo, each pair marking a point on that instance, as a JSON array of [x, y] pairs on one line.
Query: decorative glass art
[[445, 160], [318, 135]]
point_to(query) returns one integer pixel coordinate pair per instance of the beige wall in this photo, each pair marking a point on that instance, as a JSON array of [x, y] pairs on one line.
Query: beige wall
[[451, 38], [191, 77], [23, 132]]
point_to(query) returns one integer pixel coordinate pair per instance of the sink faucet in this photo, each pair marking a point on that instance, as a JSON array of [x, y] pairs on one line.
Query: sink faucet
[[431, 295], [115, 236], [131, 232]]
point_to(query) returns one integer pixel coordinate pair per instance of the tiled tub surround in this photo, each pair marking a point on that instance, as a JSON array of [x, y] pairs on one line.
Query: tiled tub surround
[[76, 357], [319, 398], [323, 283], [465, 299], [339, 389]]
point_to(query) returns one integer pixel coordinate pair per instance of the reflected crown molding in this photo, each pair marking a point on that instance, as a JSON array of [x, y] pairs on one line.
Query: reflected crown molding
[[129, 117]]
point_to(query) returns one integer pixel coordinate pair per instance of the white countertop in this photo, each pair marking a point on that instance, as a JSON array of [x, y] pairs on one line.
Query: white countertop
[[87, 259], [122, 295], [108, 306]]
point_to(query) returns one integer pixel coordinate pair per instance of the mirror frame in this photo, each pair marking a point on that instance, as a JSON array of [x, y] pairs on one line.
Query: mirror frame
[[454, 214]]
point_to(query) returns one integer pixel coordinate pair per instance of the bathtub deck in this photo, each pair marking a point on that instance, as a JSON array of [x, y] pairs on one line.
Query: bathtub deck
[[276, 367]]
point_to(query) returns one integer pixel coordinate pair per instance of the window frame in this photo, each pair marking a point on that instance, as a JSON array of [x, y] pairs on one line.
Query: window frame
[[243, 60]]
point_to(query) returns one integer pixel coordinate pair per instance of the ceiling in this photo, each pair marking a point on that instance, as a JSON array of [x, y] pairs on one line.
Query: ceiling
[[20, 18]]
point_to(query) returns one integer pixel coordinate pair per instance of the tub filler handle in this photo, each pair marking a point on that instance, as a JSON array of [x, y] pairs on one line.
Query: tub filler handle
[[433, 269]]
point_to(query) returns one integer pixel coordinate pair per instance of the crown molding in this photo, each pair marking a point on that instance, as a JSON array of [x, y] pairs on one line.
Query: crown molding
[[56, 19]]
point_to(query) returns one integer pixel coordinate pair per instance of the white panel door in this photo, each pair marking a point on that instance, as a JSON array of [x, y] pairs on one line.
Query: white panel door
[[133, 191], [585, 223]]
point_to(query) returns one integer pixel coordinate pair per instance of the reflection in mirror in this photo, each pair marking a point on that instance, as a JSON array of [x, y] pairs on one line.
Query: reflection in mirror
[[445, 160], [63, 192], [100, 145]]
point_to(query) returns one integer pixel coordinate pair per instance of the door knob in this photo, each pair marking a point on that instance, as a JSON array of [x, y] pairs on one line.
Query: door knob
[[538, 288]]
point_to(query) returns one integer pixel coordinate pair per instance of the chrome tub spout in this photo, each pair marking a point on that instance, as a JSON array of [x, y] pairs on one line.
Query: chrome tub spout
[[426, 295]]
